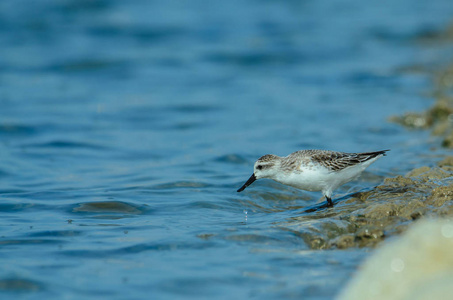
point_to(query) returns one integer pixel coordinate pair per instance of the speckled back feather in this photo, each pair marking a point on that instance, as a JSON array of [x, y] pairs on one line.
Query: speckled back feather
[[333, 160]]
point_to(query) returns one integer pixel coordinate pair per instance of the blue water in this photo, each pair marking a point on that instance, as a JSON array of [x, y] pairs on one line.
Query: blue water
[[126, 128]]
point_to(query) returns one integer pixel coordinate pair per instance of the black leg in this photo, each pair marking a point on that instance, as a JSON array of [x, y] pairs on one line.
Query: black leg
[[329, 201]]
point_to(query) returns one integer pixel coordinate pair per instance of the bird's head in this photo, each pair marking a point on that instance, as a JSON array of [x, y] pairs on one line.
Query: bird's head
[[264, 168]]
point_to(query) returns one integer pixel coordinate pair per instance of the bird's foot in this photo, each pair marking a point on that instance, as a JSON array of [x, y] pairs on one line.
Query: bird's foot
[[329, 202]]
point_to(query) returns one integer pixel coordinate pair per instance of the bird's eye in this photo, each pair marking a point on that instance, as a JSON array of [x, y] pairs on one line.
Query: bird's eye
[[259, 167]]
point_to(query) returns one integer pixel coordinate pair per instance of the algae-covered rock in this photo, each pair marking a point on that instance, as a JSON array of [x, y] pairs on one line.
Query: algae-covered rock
[[445, 210], [440, 195], [412, 120], [412, 209], [448, 141], [343, 241], [441, 110], [399, 181], [369, 235], [418, 171], [366, 219], [376, 211], [426, 174], [447, 161], [438, 118]]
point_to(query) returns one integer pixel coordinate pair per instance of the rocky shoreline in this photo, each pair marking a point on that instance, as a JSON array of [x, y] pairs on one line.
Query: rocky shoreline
[[439, 118], [368, 218], [418, 207]]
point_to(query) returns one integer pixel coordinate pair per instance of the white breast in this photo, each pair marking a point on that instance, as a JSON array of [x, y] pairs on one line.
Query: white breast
[[314, 177], [308, 179]]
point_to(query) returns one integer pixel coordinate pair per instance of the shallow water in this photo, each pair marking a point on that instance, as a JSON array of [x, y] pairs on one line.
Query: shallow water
[[127, 127]]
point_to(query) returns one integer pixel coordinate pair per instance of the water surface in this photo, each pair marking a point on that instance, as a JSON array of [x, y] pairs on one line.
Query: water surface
[[127, 127]]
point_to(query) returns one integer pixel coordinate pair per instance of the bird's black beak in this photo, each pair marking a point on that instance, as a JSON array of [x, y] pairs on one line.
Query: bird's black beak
[[249, 182]]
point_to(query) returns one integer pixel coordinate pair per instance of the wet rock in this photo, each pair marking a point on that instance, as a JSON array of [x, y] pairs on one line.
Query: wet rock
[[317, 243], [313, 240], [365, 234], [440, 112], [398, 181], [343, 242], [444, 210], [379, 211], [401, 186], [411, 209], [440, 195], [411, 120], [426, 173], [448, 161], [448, 141], [439, 118], [366, 219], [418, 171], [418, 213]]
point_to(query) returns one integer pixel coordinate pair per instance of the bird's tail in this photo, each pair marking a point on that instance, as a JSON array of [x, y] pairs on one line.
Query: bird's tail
[[371, 155]]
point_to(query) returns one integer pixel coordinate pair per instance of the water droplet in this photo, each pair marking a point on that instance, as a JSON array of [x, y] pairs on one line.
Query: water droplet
[[447, 230], [397, 265]]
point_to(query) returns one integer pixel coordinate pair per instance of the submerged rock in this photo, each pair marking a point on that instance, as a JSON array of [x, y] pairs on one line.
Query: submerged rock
[[416, 266]]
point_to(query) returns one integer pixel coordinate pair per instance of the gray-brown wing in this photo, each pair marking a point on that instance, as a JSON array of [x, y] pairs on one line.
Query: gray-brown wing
[[335, 161]]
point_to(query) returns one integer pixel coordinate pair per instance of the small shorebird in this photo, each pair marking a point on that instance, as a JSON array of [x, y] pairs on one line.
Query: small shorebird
[[313, 170]]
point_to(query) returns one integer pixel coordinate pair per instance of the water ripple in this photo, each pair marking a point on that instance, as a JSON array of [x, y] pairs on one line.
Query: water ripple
[[20, 285], [113, 207], [139, 248]]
